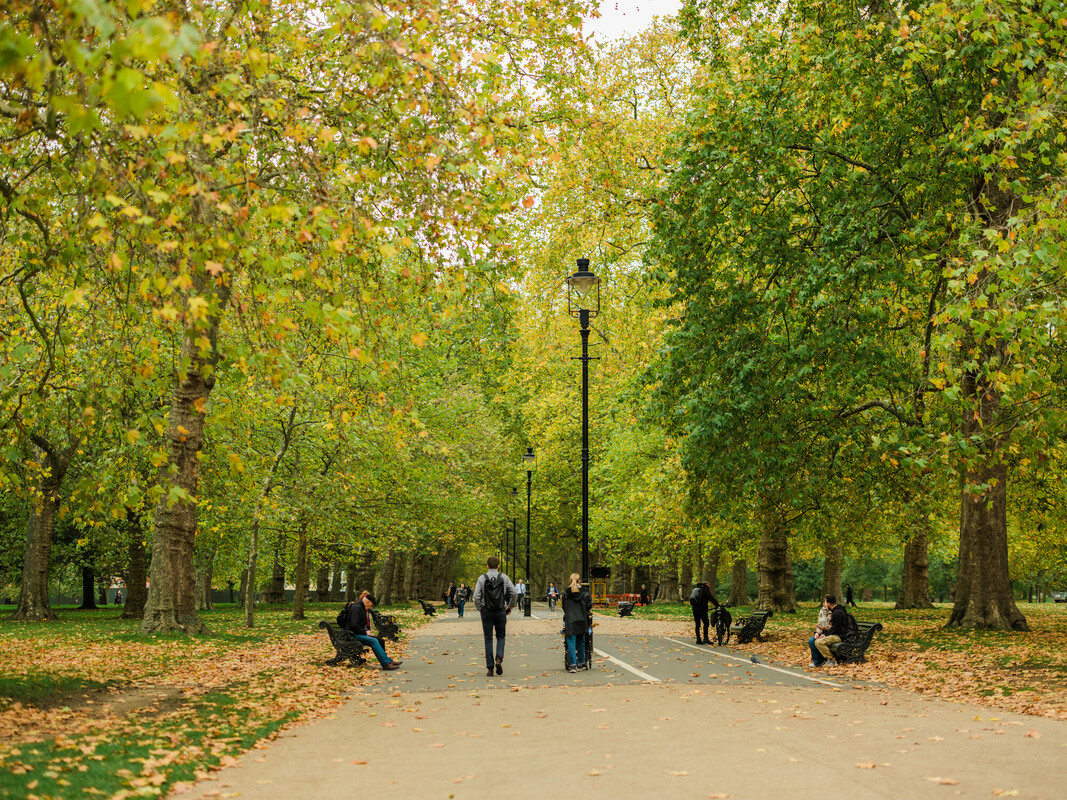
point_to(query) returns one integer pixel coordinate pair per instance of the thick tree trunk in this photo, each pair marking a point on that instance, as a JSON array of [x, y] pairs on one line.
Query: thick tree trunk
[[668, 580], [301, 578], [335, 583], [739, 583], [136, 571], [276, 588], [686, 578], [322, 584], [831, 572], [88, 588], [983, 588], [242, 588], [711, 569], [775, 570], [399, 570], [37, 556], [915, 575], [350, 583], [384, 591], [103, 583]]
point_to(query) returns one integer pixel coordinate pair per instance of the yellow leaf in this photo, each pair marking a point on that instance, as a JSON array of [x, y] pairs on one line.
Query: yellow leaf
[[419, 339]]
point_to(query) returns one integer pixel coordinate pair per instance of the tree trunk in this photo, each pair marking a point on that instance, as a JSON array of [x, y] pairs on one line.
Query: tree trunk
[[335, 584], [350, 583], [775, 569], [276, 588], [37, 556], [711, 569], [399, 570], [136, 571], [301, 578], [88, 588], [831, 572], [322, 584], [983, 588], [242, 589], [385, 577], [915, 576], [739, 583], [669, 580], [686, 578]]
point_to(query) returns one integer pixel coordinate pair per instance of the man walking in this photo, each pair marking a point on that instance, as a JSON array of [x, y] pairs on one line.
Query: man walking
[[494, 596], [699, 599], [520, 588]]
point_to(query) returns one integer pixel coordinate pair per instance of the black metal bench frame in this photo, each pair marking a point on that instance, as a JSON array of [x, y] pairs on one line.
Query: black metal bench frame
[[428, 609], [386, 625], [751, 626], [626, 609], [344, 642], [851, 649]]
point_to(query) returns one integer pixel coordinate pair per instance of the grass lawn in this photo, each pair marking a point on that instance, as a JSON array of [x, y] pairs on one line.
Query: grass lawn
[[1023, 672], [88, 706]]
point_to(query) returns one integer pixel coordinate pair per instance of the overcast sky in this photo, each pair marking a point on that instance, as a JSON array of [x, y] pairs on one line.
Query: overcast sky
[[627, 17]]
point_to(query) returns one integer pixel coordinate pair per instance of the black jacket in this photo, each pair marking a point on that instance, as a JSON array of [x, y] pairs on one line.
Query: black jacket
[[357, 620], [838, 622], [577, 612]]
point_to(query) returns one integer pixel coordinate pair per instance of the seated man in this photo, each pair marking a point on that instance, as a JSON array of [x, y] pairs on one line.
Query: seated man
[[820, 645], [358, 621]]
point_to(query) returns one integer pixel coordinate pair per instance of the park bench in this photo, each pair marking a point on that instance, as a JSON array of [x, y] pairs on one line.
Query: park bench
[[855, 644], [387, 625], [429, 609], [344, 642], [750, 627], [626, 609]]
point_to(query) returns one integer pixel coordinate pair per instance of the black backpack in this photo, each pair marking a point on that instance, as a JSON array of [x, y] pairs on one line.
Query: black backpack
[[852, 626], [342, 616], [494, 596]]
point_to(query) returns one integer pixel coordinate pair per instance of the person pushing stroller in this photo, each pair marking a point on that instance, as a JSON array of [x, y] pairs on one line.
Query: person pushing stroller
[[577, 623]]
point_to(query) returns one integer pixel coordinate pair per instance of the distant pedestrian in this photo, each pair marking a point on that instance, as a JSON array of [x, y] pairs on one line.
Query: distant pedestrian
[[577, 622], [451, 595], [461, 597], [552, 595], [848, 596], [644, 600], [118, 597], [494, 597], [520, 589]]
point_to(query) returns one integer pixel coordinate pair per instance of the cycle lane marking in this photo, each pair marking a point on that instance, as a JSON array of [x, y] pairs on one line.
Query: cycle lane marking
[[629, 668], [790, 673]]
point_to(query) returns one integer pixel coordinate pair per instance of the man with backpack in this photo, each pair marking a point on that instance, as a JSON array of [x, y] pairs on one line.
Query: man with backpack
[[840, 624], [699, 599], [494, 597]]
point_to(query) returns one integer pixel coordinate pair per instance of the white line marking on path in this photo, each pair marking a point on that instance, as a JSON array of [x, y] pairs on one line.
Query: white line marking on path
[[624, 665], [760, 664]]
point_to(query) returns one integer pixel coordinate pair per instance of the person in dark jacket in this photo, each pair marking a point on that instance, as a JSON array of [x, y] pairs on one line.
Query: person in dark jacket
[[699, 599], [461, 597], [848, 596], [358, 621], [644, 599], [577, 622], [820, 647]]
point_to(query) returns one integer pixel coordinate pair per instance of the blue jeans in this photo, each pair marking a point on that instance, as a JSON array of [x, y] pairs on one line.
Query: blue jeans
[[816, 656], [376, 646], [494, 621], [461, 603], [575, 644]]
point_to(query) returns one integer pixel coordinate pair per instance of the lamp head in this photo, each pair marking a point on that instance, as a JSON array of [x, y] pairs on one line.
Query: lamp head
[[581, 295], [529, 458]]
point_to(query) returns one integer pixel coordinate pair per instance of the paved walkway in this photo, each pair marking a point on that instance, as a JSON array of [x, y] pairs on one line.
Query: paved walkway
[[656, 715]]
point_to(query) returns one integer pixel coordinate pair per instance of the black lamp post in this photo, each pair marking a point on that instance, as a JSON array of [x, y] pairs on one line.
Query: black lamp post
[[514, 533], [529, 458], [584, 304]]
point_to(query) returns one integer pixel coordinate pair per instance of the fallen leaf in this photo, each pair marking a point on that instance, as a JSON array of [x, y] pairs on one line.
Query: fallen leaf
[[943, 781], [866, 765], [1034, 734], [718, 796], [678, 774], [357, 761], [1005, 792]]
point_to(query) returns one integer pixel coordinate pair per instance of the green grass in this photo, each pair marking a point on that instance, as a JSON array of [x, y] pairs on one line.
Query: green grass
[[45, 689]]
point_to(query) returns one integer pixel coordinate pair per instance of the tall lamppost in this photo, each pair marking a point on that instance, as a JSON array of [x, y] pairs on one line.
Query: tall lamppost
[[584, 304], [528, 458], [514, 533]]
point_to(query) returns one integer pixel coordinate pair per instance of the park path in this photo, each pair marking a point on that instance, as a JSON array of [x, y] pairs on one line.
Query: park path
[[655, 715]]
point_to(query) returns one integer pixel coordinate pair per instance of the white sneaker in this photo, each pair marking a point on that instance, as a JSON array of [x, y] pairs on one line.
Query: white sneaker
[[832, 663], [811, 665], [572, 668]]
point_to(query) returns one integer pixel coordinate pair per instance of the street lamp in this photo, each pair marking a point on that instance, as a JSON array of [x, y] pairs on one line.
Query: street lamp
[[514, 533], [528, 459], [584, 304]]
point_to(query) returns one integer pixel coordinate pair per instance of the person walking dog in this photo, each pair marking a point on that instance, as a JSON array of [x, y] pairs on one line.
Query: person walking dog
[[494, 597]]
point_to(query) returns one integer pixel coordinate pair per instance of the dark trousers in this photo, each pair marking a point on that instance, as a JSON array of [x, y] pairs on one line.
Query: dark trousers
[[700, 618], [494, 621]]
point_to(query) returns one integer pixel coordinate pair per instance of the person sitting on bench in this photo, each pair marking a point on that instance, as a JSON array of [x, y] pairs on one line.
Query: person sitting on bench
[[820, 645], [358, 621]]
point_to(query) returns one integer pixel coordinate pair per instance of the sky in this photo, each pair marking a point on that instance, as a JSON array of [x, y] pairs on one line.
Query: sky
[[627, 17]]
